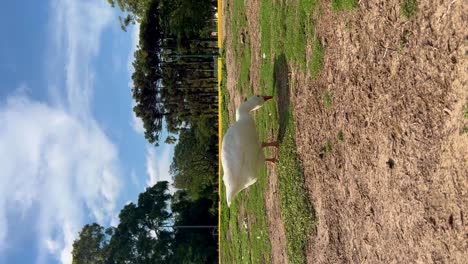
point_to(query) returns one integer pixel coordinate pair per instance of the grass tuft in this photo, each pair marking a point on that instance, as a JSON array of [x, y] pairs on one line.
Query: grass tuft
[[326, 149], [408, 8], [464, 130], [465, 111], [244, 76], [340, 136], [343, 5], [328, 100], [316, 62]]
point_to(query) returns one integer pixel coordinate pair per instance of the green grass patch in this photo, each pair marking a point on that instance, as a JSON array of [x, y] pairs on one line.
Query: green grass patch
[[244, 76], [340, 136], [287, 29], [408, 8], [404, 39], [328, 100], [326, 149], [239, 244], [238, 22], [343, 5], [465, 111], [316, 62], [297, 212], [464, 130]]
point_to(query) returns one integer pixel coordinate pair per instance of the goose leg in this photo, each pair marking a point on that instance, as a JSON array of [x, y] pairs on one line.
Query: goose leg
[[270, 144]]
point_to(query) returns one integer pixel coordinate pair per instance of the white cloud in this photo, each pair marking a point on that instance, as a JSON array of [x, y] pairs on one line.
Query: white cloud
[[55, 157], [77, 28], [65, 167], [158, 165], [52, 245], [134, 178], [75, 161]]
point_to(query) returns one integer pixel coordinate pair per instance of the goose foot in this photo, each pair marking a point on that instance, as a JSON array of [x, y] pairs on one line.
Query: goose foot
[[270, 144]]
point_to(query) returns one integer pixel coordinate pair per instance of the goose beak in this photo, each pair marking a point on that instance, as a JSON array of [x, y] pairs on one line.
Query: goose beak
[[266, 98]]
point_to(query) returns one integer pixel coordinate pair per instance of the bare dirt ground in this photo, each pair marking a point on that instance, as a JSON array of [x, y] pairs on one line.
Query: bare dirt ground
[[395, 190]]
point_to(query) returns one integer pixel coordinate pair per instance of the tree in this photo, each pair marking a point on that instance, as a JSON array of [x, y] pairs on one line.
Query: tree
[[173, 81], [135, 10], [141, 236], [193, 245], [91, 247]]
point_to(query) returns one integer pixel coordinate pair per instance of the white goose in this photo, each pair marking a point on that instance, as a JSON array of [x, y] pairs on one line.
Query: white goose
[[242, 153]]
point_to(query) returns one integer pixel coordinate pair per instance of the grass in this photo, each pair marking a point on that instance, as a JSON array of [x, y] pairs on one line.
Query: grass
[[298, 214], [328, 100], [404, 39], [251, 245], [287, 31], [408, 8], [465, 111], [241, 51], [343, 5], [244, 77], [340, 136], [326, 149], [238, 22], [316, 62], [464, 129], [289, 28]]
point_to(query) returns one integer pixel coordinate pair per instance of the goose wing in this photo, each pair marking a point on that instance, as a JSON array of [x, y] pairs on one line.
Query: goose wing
[[232, 156]]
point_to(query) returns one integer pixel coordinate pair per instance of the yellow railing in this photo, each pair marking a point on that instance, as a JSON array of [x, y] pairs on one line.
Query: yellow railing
[[220, 123]]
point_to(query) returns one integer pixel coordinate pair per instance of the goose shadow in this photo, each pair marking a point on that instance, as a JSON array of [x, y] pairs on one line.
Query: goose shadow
[[281, 84]]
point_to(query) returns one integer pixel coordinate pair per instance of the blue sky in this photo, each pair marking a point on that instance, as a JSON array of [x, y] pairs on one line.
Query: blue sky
[[72, 150]]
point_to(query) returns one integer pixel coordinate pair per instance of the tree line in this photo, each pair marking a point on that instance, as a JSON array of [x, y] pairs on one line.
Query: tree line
[[149, 232], [175, 86], [174, 78]]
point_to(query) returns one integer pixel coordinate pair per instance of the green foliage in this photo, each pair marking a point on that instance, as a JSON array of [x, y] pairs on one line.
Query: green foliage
[[135, 10], [174, 79], [144, 234], [343, 5], [91, 246], [194, 166], [132, 241], [194, 245], [408, 8]]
